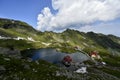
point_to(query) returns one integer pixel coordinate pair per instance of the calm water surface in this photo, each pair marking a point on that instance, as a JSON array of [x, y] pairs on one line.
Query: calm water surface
[[53, 56]]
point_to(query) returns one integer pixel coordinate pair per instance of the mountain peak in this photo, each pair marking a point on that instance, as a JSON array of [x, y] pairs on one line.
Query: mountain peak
[[10, 23]]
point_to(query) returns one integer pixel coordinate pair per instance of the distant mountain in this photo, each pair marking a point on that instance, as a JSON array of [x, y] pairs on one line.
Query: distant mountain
[[66, 41], [15, 27], [10, 23]]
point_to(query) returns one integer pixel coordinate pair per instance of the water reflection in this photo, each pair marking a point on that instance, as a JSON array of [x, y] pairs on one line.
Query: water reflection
[[53, 56]]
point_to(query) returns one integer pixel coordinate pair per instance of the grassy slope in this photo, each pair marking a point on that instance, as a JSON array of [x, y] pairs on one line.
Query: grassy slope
[[65, 41], [23, 69]]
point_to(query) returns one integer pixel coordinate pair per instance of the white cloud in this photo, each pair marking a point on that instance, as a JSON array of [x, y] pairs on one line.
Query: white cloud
[[72, 12], [105, 28]]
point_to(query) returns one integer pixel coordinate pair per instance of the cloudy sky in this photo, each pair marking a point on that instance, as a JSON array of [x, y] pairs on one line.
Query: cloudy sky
[[101, 16]]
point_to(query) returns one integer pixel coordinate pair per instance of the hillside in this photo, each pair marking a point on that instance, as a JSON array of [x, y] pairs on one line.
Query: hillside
[[17, 36], [68, 39]]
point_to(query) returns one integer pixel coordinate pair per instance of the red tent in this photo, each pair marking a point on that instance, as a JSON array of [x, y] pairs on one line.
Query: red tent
[[67, 60], [95, 53]]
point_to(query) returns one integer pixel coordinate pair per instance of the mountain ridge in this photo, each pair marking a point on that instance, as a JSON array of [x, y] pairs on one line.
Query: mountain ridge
[[67, 39]]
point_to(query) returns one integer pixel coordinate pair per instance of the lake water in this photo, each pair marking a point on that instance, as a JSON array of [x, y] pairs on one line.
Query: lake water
[[53, 56]]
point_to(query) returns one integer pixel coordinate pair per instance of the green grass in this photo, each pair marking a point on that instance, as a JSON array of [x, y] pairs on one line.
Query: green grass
[[15, 67], [112, 72], [112, 61], [17, 44]]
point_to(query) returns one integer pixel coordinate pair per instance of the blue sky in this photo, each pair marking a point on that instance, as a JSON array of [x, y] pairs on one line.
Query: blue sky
[[25, 10], [100, 16]]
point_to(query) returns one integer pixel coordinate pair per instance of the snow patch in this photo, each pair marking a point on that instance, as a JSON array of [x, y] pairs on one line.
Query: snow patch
[[81, 70], [18, 38], [47, 44], [30, 39], [5, 37], [104, 63], [85, 44]]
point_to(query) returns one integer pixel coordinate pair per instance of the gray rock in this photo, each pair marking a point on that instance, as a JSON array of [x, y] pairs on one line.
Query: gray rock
[[11, 53], [26, 66], [29, 59], [1, 76], [2, 68], [37, 62], [57, 73], [7, 59]]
